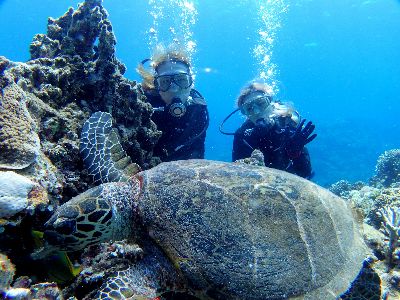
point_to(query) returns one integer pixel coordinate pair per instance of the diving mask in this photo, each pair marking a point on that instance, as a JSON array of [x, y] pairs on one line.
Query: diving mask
[[255, 105], [164, 82]]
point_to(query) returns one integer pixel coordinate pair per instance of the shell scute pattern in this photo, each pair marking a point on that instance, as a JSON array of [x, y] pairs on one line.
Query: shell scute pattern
[[71, 212], [96, 216], [281, 226], [239, 232], [88, 206]]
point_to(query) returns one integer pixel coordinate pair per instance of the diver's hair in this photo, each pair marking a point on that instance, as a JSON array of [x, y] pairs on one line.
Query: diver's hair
[[161, 54], [280, 109], [285, 109]]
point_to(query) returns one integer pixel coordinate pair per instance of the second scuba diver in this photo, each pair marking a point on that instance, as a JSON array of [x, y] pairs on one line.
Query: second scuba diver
[[275, 129], [179, 111]]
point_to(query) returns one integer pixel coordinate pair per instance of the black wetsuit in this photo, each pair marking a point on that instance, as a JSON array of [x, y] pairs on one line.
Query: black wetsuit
[[270, 141], [188, 131]]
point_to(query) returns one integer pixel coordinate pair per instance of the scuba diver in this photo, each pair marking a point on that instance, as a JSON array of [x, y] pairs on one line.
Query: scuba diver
[[179, 111], [274, 128]]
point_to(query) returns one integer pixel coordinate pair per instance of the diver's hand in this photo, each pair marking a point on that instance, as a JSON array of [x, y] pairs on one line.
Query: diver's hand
[[299, 138]]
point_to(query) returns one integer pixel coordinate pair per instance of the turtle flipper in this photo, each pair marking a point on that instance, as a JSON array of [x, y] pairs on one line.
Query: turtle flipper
[[367, 285], [127, 284], [102, 152]]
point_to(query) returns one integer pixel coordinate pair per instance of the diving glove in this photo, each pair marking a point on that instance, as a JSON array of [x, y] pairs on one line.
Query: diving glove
[[299, 138]]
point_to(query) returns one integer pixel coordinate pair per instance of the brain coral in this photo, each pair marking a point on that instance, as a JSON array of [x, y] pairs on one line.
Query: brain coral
[[19, 143]]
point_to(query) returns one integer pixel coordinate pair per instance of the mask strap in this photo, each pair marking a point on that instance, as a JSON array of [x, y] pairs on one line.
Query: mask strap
[[145, 61], [223, 122]]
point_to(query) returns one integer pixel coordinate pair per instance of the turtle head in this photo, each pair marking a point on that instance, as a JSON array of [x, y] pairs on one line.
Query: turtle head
[[97, 215]]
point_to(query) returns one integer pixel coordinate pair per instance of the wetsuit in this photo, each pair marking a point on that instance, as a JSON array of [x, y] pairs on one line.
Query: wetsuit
[[271, 142], [182, 137]]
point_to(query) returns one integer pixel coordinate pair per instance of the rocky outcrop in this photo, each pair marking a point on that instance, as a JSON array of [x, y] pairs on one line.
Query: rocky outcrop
[[72, 72]]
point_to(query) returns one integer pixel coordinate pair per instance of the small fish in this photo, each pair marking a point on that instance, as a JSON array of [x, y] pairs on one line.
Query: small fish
[[57, 264]]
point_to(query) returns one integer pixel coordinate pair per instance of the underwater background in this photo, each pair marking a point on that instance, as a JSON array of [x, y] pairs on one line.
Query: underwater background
[[337, 61]]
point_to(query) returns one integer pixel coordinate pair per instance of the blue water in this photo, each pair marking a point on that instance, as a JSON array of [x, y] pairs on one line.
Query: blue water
[[338, 62]]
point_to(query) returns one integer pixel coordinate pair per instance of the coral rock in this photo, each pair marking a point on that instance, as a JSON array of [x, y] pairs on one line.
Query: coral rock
[[46, 291], [19, 143], [14, 191], [7, 271]]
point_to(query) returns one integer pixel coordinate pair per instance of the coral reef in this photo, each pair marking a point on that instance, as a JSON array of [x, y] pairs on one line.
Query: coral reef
[[342, 188], [380, 202], [369, 199], [387, 168], [72, 72]]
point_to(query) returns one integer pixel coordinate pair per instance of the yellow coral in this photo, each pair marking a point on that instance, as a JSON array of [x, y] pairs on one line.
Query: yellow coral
[[7, 271], [38, 195]]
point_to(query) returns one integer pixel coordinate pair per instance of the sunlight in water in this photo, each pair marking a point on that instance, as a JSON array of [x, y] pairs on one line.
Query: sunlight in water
[[270, 13], [173, 21]]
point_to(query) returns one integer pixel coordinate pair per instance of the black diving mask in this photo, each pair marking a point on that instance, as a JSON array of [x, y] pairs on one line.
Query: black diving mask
[[164, 82], [255, 105], [251, 106]]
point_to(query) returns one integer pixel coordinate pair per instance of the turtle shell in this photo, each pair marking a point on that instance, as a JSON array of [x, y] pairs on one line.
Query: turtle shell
[[248, 232]]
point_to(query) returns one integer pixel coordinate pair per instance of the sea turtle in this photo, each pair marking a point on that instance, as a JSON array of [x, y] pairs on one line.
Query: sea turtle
[[230, 231]]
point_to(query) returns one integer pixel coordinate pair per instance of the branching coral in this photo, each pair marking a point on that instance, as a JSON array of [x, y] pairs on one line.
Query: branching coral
[[391, 228]]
